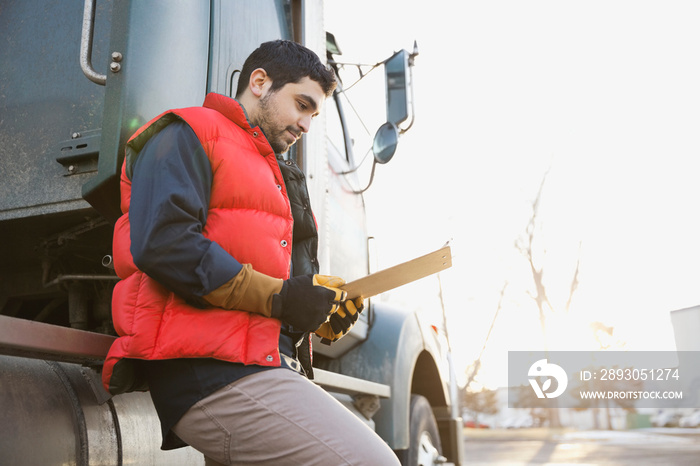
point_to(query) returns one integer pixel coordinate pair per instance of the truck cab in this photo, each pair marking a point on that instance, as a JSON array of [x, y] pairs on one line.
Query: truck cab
[[76, 80]]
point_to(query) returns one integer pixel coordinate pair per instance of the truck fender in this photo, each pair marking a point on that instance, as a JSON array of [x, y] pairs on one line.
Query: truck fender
[[400, 354]]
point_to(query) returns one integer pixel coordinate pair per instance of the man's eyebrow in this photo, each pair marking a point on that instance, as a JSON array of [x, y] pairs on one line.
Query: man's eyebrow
[[310, 100]]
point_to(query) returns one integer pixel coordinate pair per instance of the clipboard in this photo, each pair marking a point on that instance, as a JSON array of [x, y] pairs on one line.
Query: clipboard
[[401, 274]]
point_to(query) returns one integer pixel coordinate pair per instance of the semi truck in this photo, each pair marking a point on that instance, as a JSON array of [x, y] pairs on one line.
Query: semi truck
[[77, 78]]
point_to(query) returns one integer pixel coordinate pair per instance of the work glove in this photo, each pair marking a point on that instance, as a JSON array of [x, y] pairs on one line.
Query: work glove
[[249, 290], [306, 301], [340, 322]]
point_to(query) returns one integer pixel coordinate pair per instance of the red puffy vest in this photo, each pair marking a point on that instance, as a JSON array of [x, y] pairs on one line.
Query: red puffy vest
[[249, 216]]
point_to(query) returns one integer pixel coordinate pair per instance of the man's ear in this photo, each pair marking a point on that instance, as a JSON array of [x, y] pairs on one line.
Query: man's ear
[[259, 82]]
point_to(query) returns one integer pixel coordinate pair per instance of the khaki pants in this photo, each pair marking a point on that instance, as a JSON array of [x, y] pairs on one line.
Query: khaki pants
[[279, 417]]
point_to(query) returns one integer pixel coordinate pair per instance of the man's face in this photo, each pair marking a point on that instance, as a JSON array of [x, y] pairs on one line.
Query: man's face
[[285, 114]]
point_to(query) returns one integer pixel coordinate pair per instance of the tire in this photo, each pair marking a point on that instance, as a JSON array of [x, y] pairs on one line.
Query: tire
[[424, 447]]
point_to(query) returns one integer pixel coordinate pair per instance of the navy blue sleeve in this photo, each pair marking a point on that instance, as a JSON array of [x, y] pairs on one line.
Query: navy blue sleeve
[[170, 193]]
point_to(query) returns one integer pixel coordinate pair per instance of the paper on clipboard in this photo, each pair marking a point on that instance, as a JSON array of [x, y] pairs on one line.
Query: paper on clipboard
[[398, 275]]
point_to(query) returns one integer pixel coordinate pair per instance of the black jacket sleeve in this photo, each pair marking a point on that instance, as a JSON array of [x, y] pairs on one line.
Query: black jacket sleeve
[[170, 193]]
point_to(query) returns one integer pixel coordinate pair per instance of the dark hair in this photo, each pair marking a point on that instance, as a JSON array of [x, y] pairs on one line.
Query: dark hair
[[286, 62]]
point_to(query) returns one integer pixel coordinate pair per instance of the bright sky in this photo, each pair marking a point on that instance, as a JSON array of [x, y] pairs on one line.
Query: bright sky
[[604, 94]]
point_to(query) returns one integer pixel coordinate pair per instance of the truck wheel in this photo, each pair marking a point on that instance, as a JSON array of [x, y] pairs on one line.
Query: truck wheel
[[425, 448]]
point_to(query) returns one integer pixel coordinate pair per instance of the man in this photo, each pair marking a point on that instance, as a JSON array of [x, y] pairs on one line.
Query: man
[[220, 287]]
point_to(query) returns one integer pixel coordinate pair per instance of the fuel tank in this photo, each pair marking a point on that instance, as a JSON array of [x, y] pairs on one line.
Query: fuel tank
[[56, 413]]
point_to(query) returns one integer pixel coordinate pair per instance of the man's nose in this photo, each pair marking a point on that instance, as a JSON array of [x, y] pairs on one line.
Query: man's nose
[[305, 123]]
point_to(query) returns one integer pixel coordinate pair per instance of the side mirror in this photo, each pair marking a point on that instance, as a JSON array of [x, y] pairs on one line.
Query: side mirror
[[385, 141], [397, 87]]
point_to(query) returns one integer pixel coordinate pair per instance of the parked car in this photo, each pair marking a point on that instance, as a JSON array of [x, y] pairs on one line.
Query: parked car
[[665, 418], [690, 420], [518, 422], [475, 425]]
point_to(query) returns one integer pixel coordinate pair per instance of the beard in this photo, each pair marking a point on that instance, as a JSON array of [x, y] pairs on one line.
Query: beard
[[277, 135]]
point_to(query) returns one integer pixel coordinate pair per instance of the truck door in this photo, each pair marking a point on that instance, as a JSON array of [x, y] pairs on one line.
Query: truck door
[[237, 29]]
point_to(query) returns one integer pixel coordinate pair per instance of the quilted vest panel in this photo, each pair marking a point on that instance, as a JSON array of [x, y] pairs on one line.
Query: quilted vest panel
[[249, 216]]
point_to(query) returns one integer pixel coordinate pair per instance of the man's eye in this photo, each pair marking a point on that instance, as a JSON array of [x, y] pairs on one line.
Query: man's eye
[[302, 106]]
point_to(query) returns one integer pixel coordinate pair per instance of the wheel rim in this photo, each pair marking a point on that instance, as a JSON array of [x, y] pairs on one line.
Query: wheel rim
[[427, 453]]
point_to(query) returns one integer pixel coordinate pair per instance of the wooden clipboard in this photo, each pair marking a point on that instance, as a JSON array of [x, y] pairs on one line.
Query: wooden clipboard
[[398, 275]]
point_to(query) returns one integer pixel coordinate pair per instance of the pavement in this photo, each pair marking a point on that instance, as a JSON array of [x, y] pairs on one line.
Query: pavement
[[644, 435], [627, 437], [564, 446]]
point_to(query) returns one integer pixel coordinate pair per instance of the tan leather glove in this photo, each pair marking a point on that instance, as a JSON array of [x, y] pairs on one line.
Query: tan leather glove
[[341, 322], [305, 302], [249, 290]]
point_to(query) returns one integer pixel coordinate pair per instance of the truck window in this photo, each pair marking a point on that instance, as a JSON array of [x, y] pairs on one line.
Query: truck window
[[348, 135], [334, 130], [261, 20]]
